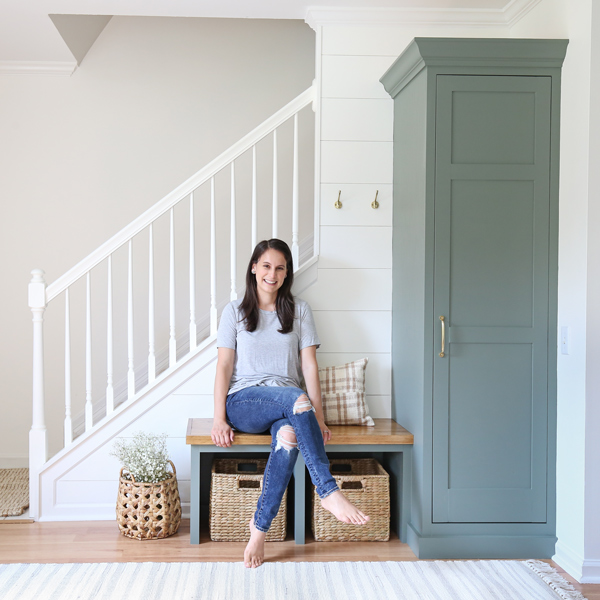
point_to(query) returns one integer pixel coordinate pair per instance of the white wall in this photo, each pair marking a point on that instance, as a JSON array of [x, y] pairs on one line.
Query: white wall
[[591, 566], [154, 100], [578, 494]]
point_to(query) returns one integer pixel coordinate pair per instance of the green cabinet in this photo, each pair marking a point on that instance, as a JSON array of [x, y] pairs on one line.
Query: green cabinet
[[474, 291]]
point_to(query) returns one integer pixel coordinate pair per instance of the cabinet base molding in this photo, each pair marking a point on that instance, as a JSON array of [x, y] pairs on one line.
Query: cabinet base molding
[[481, 546]]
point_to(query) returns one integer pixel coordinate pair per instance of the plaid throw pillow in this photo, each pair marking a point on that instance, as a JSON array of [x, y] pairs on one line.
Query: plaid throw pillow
[[343, 394]]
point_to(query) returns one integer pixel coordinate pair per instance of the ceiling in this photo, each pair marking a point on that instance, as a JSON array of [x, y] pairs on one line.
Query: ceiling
[[27, 33]]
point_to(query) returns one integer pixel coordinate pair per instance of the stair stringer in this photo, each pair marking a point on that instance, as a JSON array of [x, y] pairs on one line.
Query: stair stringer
[[85, 506]]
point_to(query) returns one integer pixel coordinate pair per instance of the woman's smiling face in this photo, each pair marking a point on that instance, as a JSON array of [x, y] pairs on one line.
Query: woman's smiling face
[[271, 270]]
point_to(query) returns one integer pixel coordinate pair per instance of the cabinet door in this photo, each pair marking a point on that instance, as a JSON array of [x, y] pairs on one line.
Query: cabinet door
[[490, 390]]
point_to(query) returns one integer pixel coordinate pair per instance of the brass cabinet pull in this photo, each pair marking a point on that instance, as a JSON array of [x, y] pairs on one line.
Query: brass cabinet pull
[[442, 353]]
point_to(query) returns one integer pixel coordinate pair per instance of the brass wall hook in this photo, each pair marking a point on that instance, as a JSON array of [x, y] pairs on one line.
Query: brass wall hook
[[375, 204], [338, 204]]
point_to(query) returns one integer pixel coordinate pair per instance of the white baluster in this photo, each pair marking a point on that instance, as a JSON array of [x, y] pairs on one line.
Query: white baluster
[[89, 408], [38, 440], [295, 247], [275, 190], [193, 330], [213, 260], [151, 340], [110, 392], [68, 422], [254, 202], [233, 249], [172, 340], [130, 369]]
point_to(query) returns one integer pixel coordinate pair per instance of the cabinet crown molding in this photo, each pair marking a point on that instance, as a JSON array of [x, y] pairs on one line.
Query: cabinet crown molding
[[470, 53]]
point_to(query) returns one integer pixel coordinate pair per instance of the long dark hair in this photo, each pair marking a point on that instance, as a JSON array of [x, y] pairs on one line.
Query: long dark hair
[[285, 301]]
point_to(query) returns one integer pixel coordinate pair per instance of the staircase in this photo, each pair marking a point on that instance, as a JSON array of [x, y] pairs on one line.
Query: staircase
[[152, 299]]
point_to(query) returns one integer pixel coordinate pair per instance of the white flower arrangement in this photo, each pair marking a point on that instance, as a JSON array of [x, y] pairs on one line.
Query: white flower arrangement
[[145, 457]]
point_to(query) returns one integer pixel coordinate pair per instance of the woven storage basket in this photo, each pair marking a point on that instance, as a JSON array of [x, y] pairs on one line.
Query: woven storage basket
[[235, 487], [367, 485], [148, 511]]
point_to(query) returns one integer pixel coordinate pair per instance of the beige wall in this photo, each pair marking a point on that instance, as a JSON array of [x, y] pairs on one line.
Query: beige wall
[[154, 100]]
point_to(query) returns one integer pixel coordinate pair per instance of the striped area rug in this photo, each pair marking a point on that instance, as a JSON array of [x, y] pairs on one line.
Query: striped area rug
[[435, 580]]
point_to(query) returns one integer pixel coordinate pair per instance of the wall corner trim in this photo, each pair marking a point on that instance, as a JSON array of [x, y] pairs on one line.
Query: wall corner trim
[[37, 67], [569, 560]]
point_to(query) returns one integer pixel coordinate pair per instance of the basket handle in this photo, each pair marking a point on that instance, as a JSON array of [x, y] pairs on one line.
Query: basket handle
[[130, 474], [133, 478], [253, 467], [242, 487], [353, 487]]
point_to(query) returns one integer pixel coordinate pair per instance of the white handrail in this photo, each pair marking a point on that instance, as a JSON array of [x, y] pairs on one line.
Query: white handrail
[[179, 193]]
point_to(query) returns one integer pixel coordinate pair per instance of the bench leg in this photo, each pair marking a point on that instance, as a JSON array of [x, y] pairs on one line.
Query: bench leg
[[195, 496], [299, 500], [406, 492]]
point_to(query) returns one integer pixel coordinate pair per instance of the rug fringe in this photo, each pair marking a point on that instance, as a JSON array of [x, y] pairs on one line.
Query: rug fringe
[[558, 583]]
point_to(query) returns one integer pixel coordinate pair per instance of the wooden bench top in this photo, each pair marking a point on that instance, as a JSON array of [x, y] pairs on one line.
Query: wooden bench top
[[386, 431]]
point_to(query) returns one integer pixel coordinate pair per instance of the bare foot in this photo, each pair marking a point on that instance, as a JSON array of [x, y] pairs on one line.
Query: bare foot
[[254, 554], [343, 510]]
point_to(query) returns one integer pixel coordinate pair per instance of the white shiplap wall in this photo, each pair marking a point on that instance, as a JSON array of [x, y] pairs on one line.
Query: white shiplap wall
[[352, 298]]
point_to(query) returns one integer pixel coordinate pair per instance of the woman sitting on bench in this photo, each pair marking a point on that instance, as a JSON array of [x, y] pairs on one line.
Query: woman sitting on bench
[[266, 343]]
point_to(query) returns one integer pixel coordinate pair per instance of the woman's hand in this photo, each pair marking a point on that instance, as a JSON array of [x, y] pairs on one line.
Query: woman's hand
[[221, 434], [324, 431]]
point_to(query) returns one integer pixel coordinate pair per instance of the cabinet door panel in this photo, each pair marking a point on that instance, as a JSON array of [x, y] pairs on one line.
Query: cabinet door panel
[[490, 391]]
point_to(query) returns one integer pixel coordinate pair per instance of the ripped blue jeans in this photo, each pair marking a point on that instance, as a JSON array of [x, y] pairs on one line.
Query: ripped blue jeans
[[283, 411]]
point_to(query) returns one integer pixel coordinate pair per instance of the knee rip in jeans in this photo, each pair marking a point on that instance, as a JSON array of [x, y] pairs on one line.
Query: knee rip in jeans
[[286, 438], [303, 404]]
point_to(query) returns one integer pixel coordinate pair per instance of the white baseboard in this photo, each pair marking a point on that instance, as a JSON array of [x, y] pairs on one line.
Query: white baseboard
[[590, 571], [569, 560], [13, 462]]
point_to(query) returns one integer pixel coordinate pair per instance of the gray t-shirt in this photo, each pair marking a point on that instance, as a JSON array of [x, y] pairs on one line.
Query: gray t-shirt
[[265, 356]]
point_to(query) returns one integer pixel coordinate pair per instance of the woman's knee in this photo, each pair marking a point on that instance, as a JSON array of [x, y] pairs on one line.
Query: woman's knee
[[303, 404], [286, 438]]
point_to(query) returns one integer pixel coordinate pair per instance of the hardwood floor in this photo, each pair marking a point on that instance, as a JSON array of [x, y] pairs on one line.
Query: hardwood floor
[[100, 541]]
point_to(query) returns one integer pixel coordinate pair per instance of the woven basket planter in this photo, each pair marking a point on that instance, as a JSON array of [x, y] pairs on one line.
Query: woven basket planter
[[235, 487], [367, 485], [148, 511]]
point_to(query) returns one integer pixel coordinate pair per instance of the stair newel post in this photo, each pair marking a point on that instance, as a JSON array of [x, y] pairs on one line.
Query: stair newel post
[[89, 408], [130, 357], [193, 329], [110, 394], [68, 433], [275, 186], [172, 340], [233, 250], [295, 248], [254, 202], [213, 260], [151, 340], [38, 440]]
